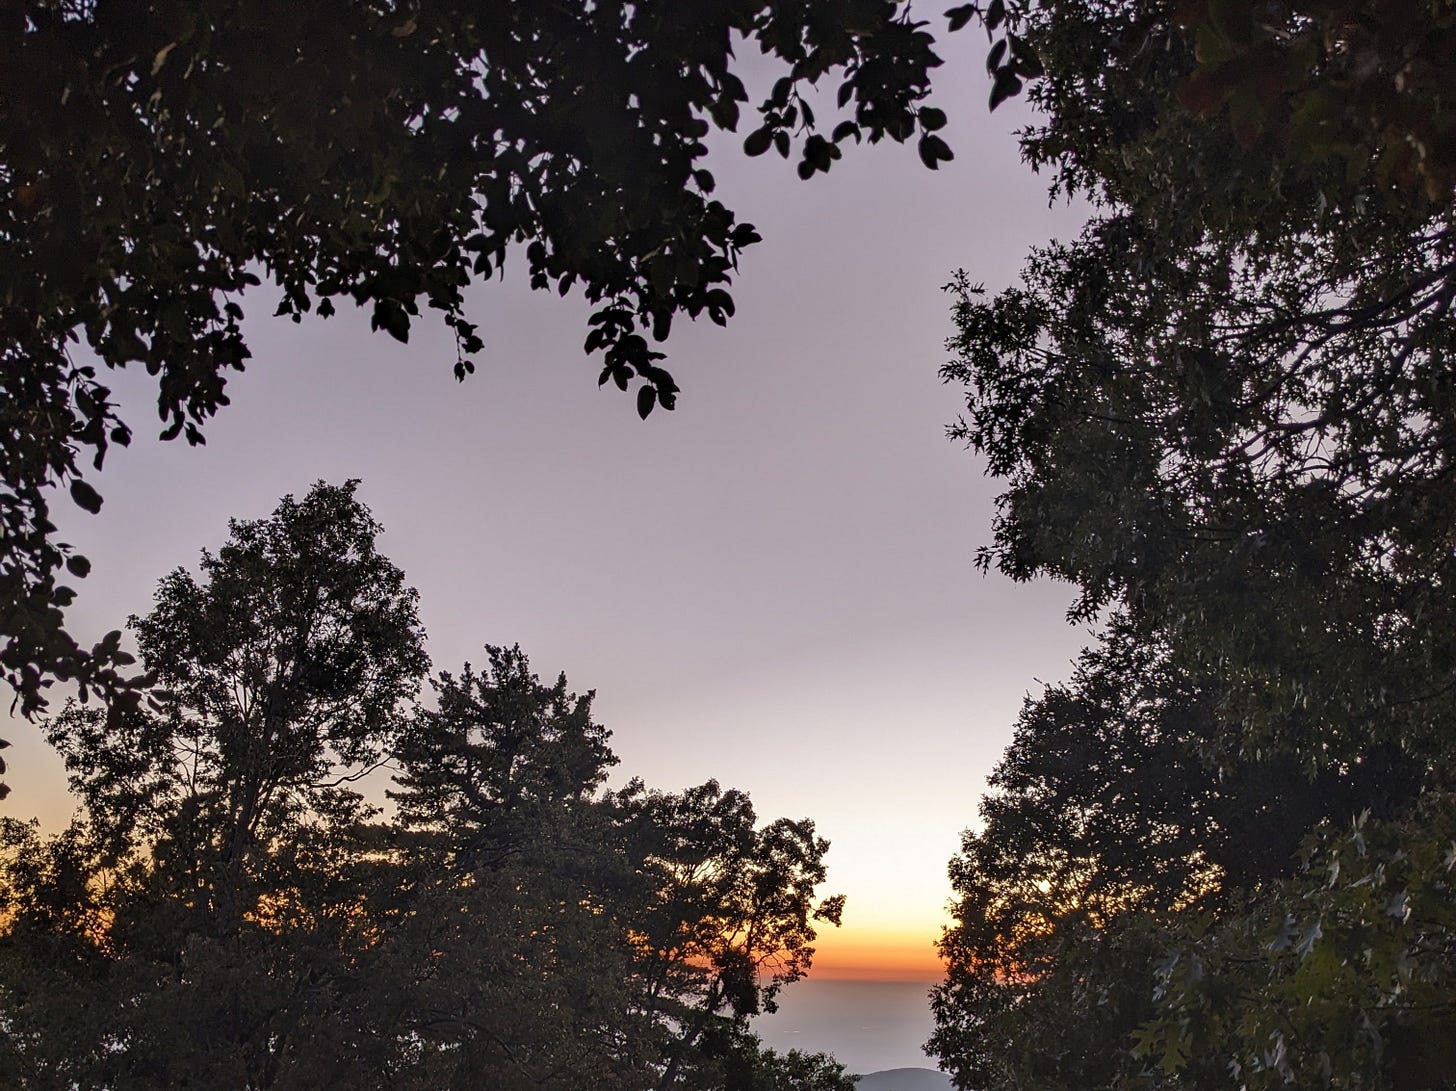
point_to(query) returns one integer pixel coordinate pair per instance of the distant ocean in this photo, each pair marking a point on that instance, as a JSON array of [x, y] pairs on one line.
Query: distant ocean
[[867, 1025]]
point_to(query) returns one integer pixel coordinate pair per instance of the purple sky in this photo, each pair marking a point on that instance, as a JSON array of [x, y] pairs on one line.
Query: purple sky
[[772, 586]]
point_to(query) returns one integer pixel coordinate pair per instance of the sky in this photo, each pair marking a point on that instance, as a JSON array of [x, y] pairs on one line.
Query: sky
[[772, 586]]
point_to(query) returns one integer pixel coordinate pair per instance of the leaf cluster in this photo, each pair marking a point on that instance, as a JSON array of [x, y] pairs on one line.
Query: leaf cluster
[[1347, 81], [158, 162]]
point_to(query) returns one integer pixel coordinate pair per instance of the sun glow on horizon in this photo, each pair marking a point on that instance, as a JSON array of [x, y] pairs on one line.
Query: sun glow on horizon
[[877, 954]]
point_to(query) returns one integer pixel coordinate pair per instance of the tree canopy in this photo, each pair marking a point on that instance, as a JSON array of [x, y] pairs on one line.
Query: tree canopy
[[159, 160], [1223, 413], [229, 908]]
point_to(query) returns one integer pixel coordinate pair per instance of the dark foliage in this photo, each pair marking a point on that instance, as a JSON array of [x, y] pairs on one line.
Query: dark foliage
[[157, 159], [1224, 413], [228, 910]]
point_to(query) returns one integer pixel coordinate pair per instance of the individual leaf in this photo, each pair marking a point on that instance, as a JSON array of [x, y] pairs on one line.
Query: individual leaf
[[1004, 87], [931, 118], [960, 16], [758, 141], [934, 151], [993, 58], [85, 496], [646, 400]]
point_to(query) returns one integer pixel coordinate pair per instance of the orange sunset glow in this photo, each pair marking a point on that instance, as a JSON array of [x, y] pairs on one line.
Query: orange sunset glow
[[854, 954]]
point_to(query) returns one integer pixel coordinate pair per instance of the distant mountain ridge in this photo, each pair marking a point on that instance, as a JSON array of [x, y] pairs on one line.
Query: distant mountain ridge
[[904, 1079]]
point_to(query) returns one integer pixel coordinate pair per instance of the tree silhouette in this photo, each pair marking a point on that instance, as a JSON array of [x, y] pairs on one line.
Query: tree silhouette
[[1223, 414], [229, 909]]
